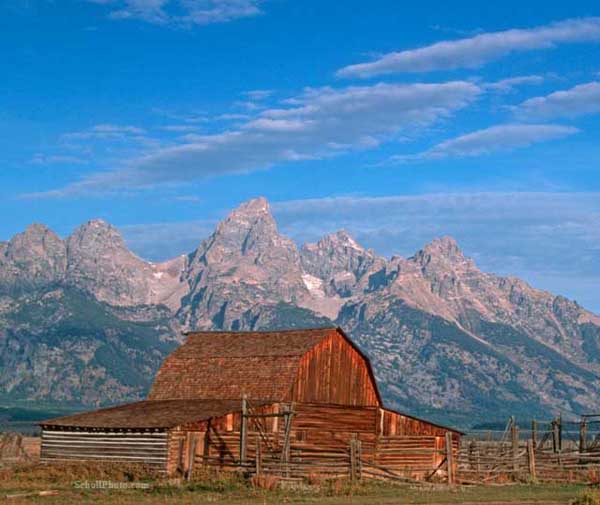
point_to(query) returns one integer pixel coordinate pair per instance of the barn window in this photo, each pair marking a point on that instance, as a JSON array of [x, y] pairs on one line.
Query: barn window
[[229, 422]]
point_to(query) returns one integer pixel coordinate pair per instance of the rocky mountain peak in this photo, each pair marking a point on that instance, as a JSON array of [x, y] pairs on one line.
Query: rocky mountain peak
[[100, 263], [444, 250], [37, 236], [339, 262], [249, 230], [255, 206], [33, 258], [341, 239], [96, 233], [245, 251]]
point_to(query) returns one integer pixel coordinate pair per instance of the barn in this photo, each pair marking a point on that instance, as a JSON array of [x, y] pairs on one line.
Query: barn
[[296, 402]]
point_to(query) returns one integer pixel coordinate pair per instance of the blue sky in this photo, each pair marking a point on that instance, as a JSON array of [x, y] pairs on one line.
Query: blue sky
[[399, 122]]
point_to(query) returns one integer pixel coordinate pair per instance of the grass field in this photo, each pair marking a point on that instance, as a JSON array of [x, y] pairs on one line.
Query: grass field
[[78, 485]]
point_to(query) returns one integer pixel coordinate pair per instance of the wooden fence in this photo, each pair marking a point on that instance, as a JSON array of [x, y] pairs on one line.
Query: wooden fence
[[556, 450], [547, 451], [406, 459]]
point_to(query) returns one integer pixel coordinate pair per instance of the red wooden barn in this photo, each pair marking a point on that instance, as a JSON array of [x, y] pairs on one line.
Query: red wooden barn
[[256, 400]]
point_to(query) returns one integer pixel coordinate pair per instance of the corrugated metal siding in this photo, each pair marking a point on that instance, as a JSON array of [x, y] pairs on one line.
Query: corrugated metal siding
[[104, 446]]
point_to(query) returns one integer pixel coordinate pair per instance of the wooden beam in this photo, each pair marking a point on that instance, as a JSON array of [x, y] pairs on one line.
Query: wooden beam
[[258, 456], [514, 431], [450, 458], [582, 436], [191, 456], [531, 460], [244, 430]]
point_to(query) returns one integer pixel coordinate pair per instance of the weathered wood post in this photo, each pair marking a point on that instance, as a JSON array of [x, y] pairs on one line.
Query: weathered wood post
[[243, 430], [181, 455], [514, 431], [353, 460], [450, 458], [191, 456], [206, 447], [582, 435], [359, 458], [534, 433], [285, 453], [554, 427], [258, 456], [478, 461], [472, 455], [560, 433], [531, 459]]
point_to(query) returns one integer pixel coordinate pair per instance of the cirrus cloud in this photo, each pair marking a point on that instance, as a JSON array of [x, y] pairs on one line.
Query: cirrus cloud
[[319, 123], [580, 100], [475, 51], [488, 140], [182, 12]]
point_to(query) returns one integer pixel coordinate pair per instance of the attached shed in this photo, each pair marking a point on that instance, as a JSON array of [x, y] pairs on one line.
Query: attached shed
[[245, 399]]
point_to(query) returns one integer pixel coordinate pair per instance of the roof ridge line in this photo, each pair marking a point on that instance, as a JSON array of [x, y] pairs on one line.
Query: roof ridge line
[[245, 332]]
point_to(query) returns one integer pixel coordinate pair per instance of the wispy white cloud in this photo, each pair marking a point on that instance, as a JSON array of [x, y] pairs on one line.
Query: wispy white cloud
[[578, 101], [188, 117], [161, 241], [506, 85], [475, 51], [489, 140], [231, 117], [258, 94], [321, 122], [180, 128], [248, 105], [52, 159], [105, 131], [187, 198], [182, 12]]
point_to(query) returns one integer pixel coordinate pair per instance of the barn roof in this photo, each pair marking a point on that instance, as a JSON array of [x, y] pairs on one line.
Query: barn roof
[[261, 365], [150, 414]]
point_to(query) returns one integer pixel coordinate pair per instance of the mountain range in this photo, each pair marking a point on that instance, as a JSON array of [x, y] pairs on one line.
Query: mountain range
[[85, 322]]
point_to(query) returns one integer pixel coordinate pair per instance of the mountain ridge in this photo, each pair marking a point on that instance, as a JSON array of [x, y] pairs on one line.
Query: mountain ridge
[[442, 334]]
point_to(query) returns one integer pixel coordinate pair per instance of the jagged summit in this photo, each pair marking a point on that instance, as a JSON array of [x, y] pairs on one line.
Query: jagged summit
[[258, 205], [444, 248], [341, 238]]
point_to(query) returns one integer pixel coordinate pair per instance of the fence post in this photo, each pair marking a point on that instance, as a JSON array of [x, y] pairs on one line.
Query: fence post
[[258, 456], [534, 433], [531, 459], [206, 445], [353, 460], [243, 430], [554, 436], [514, 430], [449, 458], [359, 459], [191, 456], [582, 435]]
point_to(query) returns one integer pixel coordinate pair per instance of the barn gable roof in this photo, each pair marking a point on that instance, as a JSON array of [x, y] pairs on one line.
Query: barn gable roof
[[229, 365]]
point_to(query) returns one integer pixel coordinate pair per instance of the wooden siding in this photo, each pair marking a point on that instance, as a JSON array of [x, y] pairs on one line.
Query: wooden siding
[[320, 434], [149, 448], [333, 372], [393, 423]]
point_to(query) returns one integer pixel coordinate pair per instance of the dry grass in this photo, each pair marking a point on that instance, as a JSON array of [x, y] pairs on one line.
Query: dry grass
[[212, 487]]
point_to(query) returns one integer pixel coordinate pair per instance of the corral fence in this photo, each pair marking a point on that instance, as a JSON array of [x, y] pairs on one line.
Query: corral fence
[[555, 450], [543, 451]]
